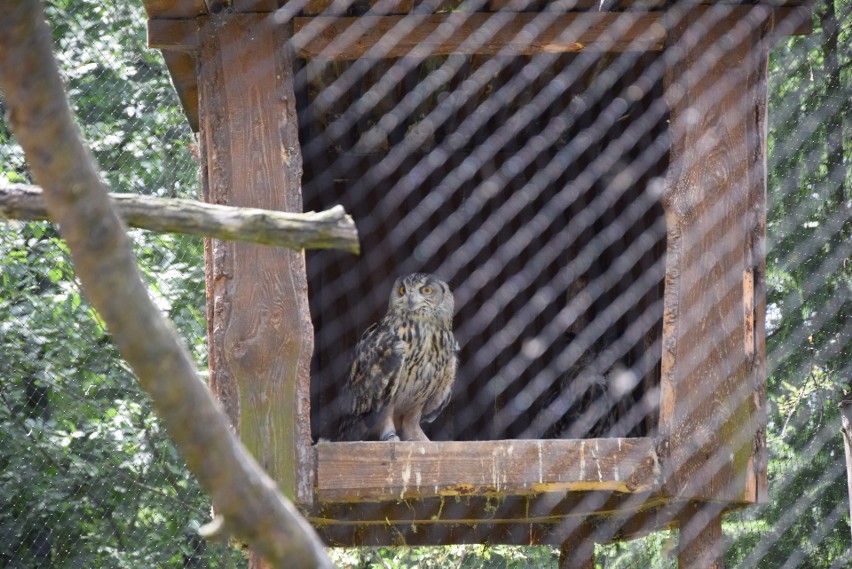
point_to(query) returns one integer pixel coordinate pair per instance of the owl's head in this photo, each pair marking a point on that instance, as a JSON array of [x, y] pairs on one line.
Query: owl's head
[[422, 293]]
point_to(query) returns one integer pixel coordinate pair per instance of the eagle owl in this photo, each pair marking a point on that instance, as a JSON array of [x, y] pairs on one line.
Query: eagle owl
[[404, 366]]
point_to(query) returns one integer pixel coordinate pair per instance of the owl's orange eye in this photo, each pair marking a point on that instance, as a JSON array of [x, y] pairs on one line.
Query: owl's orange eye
[[427, 290], [402, 290]]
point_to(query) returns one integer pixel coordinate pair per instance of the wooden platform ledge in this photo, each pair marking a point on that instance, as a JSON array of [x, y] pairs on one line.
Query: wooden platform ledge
[[377, 471]]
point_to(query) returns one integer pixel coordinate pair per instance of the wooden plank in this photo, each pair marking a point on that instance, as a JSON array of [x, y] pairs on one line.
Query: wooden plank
[[174, 8], [578, 551], [404, 6], [788, 20], [179, 34], [341, 7], [416, 34], [709, 419], [173, 34], [345, 38], [602, 517], [700, 543], [368, 471], [181, 67], [758, 63], [261, 336]]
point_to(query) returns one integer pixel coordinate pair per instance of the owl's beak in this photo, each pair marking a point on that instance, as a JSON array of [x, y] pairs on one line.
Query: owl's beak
[[412, 302]]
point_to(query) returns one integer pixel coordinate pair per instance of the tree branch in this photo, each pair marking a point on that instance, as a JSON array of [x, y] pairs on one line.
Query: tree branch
[[252, 507], [330, 229], [846, 431]]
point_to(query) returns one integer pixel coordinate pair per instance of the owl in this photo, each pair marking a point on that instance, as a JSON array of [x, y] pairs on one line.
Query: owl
[[404, 366]]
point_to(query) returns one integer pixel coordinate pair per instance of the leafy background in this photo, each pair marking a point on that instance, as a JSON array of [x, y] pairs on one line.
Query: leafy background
[[89, 478]]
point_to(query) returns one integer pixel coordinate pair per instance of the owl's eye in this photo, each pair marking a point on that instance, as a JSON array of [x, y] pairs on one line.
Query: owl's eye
[[427, 290], [402, 290]]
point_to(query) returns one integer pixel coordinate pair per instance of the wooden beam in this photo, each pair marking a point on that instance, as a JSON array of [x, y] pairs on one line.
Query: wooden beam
[[173, 34], [181, 65], [578, 551], [261, 337], [505, 33], [367, 471], [339, 7], [174, 8], [710, 414], [700, 543], [545, 32]]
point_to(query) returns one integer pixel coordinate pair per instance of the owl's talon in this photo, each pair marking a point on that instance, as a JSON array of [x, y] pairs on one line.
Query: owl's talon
[[390, 437]]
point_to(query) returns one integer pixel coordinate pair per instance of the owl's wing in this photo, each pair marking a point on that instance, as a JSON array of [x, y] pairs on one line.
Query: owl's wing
[[373, 377]]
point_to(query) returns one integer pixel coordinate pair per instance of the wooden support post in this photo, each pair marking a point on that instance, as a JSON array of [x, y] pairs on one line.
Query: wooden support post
[[700, 540], [577, 554], [712, 386], [260, 333]]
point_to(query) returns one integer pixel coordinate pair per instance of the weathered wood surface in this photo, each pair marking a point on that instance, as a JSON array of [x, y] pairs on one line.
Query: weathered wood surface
[[700, 541], [551, 518], [578, 551], [366, 471], [261, 334], [331, 229], [173, 28], [190, 8], [405, 6], [710, 415], [342, 38], [846, 432]]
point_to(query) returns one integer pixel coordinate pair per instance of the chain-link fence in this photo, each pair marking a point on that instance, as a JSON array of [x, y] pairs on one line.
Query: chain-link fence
[[534, 181]]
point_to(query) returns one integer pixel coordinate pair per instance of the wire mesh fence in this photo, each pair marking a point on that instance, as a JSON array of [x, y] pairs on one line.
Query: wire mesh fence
[[527, 160]]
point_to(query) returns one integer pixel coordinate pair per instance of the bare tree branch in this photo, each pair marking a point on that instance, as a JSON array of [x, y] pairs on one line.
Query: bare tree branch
[[330, 229], [252, 507]]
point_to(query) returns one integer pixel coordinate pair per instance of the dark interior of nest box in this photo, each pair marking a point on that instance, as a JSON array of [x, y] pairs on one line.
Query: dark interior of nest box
[[551, 233]]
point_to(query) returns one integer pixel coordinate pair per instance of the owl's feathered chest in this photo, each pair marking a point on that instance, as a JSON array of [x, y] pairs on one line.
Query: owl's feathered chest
[[423, 341], [428, 351]]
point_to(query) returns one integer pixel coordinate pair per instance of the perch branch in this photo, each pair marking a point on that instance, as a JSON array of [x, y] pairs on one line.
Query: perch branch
[[38, 112], [331, 229]]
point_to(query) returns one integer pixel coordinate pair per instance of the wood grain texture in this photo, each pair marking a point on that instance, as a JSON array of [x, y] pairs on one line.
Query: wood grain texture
[[710, 416], [700, 543], [505, 33], [174, 8], [371, 472], [262, 338], [182, 65], [405, 6], [173, 34], [551, 518], [328, 229], [180, 57]]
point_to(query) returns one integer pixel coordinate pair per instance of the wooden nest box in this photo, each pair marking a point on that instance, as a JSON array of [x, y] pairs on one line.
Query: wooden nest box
[[590, 177]]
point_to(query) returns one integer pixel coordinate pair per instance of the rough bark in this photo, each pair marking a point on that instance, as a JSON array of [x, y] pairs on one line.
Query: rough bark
[[330, 229], [246, 498], [846, 431]]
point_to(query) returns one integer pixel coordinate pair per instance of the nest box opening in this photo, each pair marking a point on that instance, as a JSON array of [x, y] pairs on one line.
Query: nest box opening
[[536, 195]]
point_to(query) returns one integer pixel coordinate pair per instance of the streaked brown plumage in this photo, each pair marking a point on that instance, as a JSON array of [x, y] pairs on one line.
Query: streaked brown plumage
[[404, 366]]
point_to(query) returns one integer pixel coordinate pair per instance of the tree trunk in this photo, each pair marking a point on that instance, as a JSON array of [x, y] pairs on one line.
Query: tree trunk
[[251, 505], [846, 431]]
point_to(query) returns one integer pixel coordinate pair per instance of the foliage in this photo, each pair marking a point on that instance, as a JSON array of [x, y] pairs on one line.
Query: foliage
[[88, 476], [808, 303], [453, 556]]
